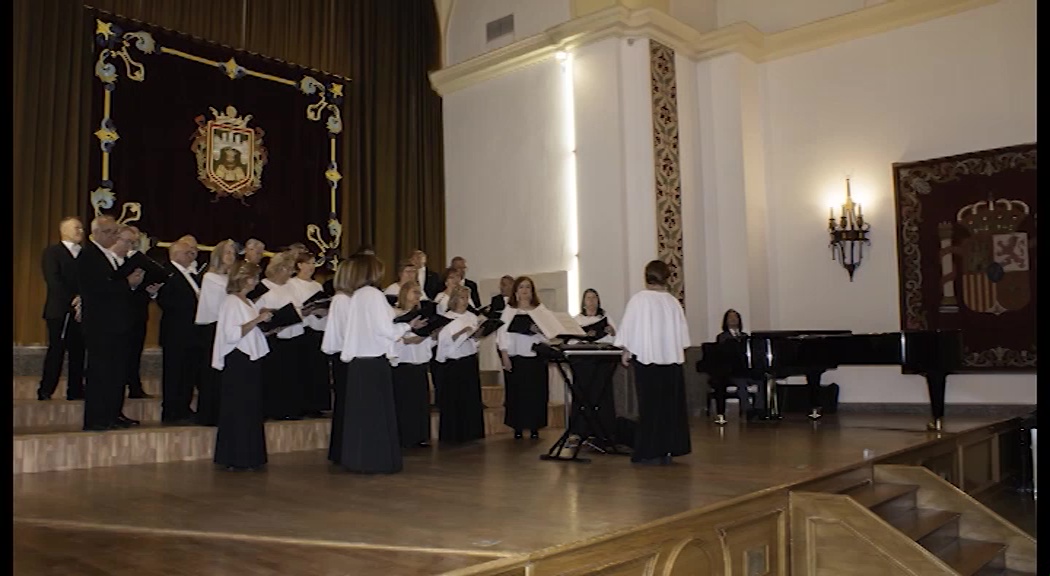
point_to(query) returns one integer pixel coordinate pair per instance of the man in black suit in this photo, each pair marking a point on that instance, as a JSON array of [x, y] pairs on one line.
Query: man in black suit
[[499, 301], [180, 337], [62, 313], [460, 263], [140, 318], [429, 280], [106, 302]]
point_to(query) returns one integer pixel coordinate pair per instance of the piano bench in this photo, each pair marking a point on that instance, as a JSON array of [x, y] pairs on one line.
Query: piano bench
[[731, 394]]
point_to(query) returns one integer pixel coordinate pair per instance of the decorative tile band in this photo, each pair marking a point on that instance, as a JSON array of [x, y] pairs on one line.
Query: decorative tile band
[[668, 168]]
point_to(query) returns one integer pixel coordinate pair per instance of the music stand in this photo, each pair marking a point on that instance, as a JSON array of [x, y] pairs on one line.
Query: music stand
[[582, 412]]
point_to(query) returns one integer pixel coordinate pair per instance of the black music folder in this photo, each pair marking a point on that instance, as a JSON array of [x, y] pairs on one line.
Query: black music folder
[[429, 308], [319, 301], [392, 299], [156, 273], [285, 316], [258, 291], [488, 327], [598, 328], [329, 287], [434, 323], [408, 316], [521, 324]]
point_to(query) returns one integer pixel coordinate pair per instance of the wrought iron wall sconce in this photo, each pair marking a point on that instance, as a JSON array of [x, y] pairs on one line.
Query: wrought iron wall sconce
[[849, 235]]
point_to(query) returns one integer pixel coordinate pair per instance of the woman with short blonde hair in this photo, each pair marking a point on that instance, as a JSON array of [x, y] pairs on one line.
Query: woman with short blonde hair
[[213, 292], [283, 395]]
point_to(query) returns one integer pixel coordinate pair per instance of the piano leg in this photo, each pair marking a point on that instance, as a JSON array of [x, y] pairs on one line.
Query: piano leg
[[813, 387], [935, 383]]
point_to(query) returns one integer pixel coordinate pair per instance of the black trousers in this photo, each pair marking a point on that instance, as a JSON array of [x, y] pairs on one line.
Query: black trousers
[[106, 376], [57, 348], [136, 342], [210, 382], [181, 373]]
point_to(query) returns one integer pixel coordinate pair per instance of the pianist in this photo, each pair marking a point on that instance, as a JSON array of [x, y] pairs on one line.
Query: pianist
[[733, 331], [595, 377], [654, 336]]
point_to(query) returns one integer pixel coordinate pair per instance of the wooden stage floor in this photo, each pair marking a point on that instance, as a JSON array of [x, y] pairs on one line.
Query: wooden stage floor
[[450, 508]]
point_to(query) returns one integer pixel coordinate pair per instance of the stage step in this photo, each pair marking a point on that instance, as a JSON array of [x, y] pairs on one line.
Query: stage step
[[67, 447], [25, 387], [878, 494], [918, 523], [967, 557]]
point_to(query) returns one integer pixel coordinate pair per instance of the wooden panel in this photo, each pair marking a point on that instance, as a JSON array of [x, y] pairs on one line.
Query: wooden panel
[[977, 521], [976, 464], [756, 545], [832, 535]]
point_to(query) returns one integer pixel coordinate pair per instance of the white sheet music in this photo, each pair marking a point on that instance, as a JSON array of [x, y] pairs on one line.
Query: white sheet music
[[554, 324]]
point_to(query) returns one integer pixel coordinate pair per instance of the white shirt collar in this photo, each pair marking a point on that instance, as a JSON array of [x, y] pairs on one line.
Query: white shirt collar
[[188, 276], [108, 253], [73, 247]]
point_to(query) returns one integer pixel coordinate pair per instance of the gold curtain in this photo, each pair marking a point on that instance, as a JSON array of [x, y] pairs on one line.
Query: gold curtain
[[392, 165]]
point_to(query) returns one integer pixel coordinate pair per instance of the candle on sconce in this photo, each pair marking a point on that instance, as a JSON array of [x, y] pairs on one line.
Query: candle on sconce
[[860, 213], [831, 213]]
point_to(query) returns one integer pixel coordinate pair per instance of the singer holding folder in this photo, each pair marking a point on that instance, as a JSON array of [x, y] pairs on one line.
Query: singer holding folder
[[412, 354], [462, 413], [282, 392], [213, 293], [366, 420], [314, 366], [594, 377], [240, 442], [525, 376]]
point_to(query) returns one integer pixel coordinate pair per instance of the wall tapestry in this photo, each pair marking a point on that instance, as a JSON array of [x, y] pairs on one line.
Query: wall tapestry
[[966, 231], [199, 138], [668, 170]]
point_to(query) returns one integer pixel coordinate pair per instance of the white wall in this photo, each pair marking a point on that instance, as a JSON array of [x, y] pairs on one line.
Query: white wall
[[953, 85], [466, 32], [700, 14], [505, 174], [776, 15]]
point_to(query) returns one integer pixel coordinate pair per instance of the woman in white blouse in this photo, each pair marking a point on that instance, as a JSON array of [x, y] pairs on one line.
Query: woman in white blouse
[[594, 376], [213, 293], [366, 420], [283, 393], [452, 279], [462, 413], [315, 368], [654, 336], [406, 272], [525, 375], [240, 443], [412, 354]]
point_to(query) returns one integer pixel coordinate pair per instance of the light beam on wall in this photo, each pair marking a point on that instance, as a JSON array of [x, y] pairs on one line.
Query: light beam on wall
[[572, 239]]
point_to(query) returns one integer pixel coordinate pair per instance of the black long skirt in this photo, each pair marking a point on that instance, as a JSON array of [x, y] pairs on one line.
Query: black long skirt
[[593, 380], [663, 420], [527, 393], [335, 439], [437, 376], [317, 387], [209, 389], [462, 413], [240, 441], [282, 387], [368, 441], [412, 401]]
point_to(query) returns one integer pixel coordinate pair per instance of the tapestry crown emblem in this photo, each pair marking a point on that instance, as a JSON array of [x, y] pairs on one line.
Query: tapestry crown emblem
[[992, 216]]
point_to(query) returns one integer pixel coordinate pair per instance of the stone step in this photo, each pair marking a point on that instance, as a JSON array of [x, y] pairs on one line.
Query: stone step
[[67, 447]]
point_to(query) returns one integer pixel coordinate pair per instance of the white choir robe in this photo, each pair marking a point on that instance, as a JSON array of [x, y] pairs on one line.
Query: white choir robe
[[336, 325], [442, 303], [516, 344], [278, 296], [213, 293], [654, 328], [303, 290], [234, 313], [420, 353], [451, 349], [585, 321], [369, 328]]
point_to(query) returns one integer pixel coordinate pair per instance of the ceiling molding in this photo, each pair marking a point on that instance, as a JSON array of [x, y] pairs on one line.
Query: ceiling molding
[[741, 38]]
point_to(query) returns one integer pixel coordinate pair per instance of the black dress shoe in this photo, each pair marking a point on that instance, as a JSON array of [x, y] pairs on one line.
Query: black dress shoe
[[424, 444], [74, 397], [517, 434], [126, 422], [140, 395], [535, 435], [42, 397]]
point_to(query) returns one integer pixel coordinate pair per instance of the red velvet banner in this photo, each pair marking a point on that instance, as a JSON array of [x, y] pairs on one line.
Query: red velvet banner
[[966, 246]]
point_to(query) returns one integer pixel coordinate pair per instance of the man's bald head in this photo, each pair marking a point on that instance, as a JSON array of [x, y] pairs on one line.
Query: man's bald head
[[104, 230], [182, 253]]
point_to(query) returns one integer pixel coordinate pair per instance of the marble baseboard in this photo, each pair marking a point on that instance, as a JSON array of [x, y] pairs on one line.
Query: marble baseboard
[[29, 361], [949, 409]]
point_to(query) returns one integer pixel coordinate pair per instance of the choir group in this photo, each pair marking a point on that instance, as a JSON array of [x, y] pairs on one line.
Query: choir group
[[297, 344]]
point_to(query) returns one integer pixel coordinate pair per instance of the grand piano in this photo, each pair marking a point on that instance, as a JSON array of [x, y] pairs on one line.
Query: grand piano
[[769, 356]]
